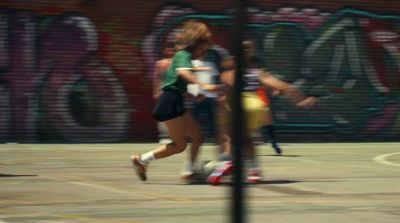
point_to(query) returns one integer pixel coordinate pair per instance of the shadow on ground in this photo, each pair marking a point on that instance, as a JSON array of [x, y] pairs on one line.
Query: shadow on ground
[[18, 175]]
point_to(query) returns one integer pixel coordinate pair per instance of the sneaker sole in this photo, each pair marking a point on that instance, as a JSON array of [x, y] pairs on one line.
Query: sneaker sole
[[139, 170]]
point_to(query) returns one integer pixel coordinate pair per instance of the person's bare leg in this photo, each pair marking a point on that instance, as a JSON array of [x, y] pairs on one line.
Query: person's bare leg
[[250, 150], [224, 139], [268, 117], [193, 130], [176, 129], [252, 167], [177, 132], [194, 133]]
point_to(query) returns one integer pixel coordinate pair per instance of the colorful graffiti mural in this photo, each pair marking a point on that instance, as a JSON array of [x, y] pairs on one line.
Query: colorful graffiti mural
[[43, 74], [64, 79], [349, 59]]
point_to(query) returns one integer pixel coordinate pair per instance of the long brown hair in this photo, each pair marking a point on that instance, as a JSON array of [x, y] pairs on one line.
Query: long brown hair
[[193, 33]]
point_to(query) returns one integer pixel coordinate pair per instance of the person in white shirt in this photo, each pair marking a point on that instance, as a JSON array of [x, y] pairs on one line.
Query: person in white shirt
[[204, 108]]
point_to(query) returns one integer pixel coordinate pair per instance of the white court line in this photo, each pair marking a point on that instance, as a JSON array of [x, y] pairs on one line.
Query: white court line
[[85, 183], [298, 159], [382, 159], [95, 186], [99, 187]]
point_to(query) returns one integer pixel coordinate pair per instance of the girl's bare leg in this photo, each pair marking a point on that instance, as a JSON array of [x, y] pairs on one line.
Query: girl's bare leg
[[224, 142], [192, 129], [177, 132]]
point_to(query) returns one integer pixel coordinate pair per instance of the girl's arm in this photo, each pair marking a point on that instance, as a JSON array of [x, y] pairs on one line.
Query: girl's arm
[[157, 80], [288, 90], [201, 69], [191, 78], [268, 80]]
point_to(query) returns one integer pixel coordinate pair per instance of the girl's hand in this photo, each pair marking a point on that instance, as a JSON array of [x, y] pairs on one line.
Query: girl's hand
[[211, 87], [308, 102], [202, 69]]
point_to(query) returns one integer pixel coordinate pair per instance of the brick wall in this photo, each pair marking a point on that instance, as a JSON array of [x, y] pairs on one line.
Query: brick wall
[[81, 71]]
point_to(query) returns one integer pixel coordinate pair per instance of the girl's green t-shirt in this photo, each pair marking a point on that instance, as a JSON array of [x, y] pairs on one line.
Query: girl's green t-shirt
[[181, 61]]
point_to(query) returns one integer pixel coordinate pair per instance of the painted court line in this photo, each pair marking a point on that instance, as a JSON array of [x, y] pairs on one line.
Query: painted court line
[[80, 183], [73, 179], [383, 159]]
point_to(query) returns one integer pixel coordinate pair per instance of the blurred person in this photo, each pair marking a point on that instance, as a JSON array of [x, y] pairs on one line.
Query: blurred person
[[255, 109], [192, 42], [254, 61], [201, 104], [161, 67], [205, 103]]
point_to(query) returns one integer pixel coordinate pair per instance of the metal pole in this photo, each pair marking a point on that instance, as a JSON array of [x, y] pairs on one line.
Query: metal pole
[[238, 207]]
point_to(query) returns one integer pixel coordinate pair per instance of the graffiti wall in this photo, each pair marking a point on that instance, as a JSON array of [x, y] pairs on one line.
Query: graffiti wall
[[83, 73]]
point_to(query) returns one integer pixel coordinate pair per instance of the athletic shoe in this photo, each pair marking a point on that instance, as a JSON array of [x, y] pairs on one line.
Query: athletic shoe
[[225, 168], [254, 175], [277, 148], [139, 168]]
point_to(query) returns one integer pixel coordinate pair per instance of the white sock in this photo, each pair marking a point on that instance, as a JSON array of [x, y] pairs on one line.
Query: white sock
[[187, 168], [147, 158]]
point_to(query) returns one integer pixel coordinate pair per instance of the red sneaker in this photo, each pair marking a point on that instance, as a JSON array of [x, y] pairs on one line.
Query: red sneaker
[[140, 169], [254, 176]]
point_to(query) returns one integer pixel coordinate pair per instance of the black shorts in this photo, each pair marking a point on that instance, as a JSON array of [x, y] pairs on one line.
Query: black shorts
[[169, 105]]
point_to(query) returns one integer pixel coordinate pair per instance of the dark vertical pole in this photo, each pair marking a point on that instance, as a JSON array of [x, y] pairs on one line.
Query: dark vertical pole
[[238, 207]]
